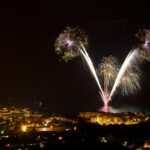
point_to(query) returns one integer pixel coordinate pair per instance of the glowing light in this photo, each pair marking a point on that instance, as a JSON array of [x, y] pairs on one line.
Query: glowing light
[[75, 128], [60, 138], [44, 129], [23, 128], [67, 129], [103, 139], [45, 124], [125, 143], [41, 145], [105, 108], [2, 132]]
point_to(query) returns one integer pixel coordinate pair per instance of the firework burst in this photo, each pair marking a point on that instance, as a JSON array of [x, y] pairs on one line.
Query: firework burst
[[73, 42], [68, 43], [107, 72], [144, 37], [130, 81]]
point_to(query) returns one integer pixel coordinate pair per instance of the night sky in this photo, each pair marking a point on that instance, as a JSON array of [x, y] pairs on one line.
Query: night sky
[[30, 69]]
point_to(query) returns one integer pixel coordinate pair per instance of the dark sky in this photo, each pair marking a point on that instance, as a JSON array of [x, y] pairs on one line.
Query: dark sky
[[30, 69]]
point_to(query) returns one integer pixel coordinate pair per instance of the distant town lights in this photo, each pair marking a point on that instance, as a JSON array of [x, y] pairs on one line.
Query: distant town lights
[[23, 128]]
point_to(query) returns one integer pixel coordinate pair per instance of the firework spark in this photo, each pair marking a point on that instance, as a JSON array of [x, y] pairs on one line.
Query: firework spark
[[130, 82], [107, 71], [131, 58]]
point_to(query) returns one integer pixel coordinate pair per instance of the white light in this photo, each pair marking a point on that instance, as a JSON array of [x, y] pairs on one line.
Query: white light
[[60, 137], [75, 128]]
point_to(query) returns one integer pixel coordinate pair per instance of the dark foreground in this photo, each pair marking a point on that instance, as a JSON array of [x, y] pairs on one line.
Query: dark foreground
[[86, 134]]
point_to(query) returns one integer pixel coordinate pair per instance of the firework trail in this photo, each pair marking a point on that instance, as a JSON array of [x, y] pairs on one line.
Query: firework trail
[[72, 42], [133, 54], [90, 65]]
